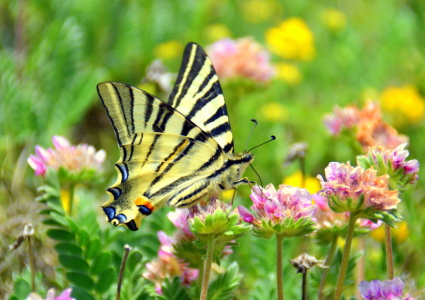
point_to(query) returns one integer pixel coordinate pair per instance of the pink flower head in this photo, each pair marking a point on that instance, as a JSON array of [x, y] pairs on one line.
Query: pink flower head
[[168, 265], [346, 186], [392, 162], [65, 295], [383, 290], [242, 57], [366, 125], [74, 159], [179, 219], [272, 209]]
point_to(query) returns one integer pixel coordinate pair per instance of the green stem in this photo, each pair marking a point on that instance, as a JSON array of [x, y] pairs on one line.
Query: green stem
[[345, 256], [71, 197], [304, 286], [389, 253], [328, 262], [127, 249], [279, 266], [207, 266], [32, 263]]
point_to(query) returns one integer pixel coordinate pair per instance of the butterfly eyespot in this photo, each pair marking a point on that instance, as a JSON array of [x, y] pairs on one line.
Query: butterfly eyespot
[[109, 212], [144, 202], [115, 222], [121, 218]]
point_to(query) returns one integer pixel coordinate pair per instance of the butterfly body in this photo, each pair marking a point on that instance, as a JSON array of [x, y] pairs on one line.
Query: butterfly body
[[172, 153]]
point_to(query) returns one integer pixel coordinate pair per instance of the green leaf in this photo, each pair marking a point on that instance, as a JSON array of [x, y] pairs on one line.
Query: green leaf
[[80, 294], [93, 248], [222, 288], [69, 248], [21, 288], [74, 227], [173, 290], [135, 258], [83, 238], [101, 262], [106, 278], [60, 235], [53, 223], [80, 280], [75, 263], [60, 218]]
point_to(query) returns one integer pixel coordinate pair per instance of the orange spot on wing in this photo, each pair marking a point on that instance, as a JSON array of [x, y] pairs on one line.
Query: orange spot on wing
[[145, 202]]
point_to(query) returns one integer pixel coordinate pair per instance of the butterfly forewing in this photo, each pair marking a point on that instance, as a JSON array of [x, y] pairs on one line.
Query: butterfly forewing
[[197, 95]]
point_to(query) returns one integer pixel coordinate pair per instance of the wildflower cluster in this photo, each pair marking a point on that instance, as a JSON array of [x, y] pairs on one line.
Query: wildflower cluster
[[287, 211], [383, 290], [365, 124], [76, 160], [65, 295], [243, 57]]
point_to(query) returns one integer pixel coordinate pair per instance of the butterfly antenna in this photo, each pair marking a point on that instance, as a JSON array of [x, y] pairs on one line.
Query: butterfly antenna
[[252, 129], [272, 139]]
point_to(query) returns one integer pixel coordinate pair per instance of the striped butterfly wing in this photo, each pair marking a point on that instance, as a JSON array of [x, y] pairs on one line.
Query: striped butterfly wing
[[172, 153], [165, 158], [197, 94]]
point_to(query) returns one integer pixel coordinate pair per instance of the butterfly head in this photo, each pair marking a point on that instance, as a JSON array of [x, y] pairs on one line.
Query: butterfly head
[[130, 216], [238, 165]]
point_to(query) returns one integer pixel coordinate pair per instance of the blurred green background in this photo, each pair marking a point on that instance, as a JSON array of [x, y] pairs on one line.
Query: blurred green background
[[53, 53]]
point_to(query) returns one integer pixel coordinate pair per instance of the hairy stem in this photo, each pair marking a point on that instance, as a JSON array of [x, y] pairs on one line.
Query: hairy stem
[[279, 266], [127, 249], [32, 262], [389, 253], [345, 256], [328, 262], [304, 286], [207, 266]]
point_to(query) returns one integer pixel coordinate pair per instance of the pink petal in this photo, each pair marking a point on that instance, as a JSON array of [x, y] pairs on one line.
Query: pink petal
[[60, 142], [38, 166], [245, 214]]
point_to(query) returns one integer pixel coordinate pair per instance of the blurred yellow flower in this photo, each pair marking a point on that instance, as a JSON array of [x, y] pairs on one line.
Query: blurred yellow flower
[[334, 19], [257, 11], [273, 111], [399, 234], [404, 103], [168, 50], [292, 39], [66, 200], [216, 31], [288, 73], [312, 184]]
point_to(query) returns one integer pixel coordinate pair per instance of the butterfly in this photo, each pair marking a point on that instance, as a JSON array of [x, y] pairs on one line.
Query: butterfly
[[173, 153]]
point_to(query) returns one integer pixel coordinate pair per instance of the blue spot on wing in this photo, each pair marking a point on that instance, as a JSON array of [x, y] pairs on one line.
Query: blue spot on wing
[[124, 171], [109, 212], [116, 192], [121, 218]]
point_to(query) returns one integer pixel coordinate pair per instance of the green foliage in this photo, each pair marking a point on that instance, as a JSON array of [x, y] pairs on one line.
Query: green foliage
[[173, 290], [223, 286]]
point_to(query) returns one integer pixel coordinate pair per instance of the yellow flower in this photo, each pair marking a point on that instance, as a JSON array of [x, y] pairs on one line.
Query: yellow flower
[[334, 19], [217, 31], [292, 39], [311, 184], [257, 11], [168, 50], [274, 112], [288, 73], [404, 103]]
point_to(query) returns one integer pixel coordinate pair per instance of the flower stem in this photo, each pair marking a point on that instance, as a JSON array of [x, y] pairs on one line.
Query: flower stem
[[127, 249], [279, 267], [328, 262], [207, 266], [304, 286], [389, 253], [345, 256]]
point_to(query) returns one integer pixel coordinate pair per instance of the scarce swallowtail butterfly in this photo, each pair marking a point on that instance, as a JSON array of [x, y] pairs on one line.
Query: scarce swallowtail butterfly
[[172, 153]]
